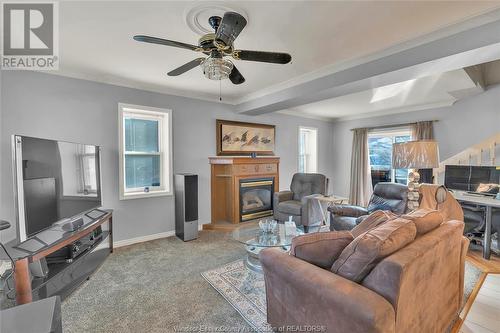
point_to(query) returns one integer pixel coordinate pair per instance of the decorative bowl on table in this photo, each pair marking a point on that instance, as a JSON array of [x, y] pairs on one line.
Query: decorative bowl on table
[[267, 226]]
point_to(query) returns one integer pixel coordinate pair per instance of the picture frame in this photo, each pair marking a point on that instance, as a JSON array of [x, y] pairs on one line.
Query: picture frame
[[243, 138]]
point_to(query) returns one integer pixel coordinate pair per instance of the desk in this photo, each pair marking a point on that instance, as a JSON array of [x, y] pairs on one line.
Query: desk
[[489, 203]]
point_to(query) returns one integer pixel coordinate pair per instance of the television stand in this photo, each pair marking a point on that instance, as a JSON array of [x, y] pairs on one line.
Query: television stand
[[63, 277]]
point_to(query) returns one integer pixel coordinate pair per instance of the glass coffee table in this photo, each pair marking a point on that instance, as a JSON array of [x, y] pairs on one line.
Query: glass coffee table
[[255, 240]]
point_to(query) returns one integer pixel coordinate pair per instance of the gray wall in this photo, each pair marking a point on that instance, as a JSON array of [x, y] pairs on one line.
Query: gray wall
[[460, 126], [54, 107]]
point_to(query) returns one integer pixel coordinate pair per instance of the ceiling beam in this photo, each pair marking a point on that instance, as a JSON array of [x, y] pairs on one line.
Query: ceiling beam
[[461, 49]]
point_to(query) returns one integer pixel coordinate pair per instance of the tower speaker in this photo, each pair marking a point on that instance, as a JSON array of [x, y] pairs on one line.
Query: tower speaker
[[186, 206]]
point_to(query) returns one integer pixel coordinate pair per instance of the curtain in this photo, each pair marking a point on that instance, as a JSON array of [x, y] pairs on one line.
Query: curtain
[[423, 130], [360, 189]]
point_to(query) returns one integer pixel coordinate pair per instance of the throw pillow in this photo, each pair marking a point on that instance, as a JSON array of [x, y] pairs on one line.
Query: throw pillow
[[371, 221], [320, 248], [367, 250], [425, 219]]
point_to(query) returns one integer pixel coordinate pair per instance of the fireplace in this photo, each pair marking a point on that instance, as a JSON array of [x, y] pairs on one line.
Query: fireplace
[[230, 177], [256, 198]]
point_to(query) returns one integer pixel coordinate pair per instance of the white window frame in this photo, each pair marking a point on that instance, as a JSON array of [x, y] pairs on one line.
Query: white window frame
[[390, 132], [164, 117], [316, 131]]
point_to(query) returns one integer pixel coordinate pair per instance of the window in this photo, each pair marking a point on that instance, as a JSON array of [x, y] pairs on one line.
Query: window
[[380, 150], [145, 151], [308, 149]]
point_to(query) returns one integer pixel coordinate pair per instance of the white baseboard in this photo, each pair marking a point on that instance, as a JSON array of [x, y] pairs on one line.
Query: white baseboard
[[147, 238], [142, 239]]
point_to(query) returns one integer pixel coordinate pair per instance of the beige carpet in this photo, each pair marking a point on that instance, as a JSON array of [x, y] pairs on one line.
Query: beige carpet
[[156, 287]]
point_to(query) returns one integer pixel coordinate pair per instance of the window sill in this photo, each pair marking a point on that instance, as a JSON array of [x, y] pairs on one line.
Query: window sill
[[140, 195]]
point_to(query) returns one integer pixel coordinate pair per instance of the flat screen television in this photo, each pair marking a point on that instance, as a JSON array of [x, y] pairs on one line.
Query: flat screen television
[[468, 177], [54, 181]]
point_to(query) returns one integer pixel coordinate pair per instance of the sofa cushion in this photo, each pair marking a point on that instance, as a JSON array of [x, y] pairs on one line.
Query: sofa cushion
[[292, 207], [425, 219], [371, 221], [320, 248], [365, 251]]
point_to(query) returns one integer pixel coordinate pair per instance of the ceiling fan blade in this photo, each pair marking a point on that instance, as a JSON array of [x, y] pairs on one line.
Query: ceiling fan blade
[[184, 68], [161, 41], [230, 27], [272, 57], [236, 76]]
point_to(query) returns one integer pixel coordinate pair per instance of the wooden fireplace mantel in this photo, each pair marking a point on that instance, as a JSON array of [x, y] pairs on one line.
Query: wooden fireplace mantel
[[226, 173]]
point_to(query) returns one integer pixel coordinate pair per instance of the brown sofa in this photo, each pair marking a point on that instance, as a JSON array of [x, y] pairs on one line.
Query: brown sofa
[[419, 288]]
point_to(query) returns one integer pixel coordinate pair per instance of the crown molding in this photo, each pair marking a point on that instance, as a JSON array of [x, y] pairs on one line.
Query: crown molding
[[120, 82]]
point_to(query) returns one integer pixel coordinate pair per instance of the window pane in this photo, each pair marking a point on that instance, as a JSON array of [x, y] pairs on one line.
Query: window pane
[[141, 135], [380, 149], [308, 150], [401, 176], [302, 151], [142, 171], [380, 153], [402, 138]]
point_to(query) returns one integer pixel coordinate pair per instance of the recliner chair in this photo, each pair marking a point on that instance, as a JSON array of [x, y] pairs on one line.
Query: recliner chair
[[386, 196], [295, 201]]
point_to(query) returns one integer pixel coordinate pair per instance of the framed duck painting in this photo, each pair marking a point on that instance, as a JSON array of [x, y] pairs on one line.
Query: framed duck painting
[[241, 138]]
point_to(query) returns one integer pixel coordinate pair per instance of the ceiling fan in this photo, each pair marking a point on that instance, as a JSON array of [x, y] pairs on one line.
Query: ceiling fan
[[217, 46]]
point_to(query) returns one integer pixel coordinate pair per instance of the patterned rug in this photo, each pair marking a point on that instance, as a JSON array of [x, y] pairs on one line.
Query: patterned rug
[[245, 290]]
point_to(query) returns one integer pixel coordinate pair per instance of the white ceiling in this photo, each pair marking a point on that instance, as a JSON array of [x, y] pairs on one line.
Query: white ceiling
[[438, 90], [423, 93], [96, 39]]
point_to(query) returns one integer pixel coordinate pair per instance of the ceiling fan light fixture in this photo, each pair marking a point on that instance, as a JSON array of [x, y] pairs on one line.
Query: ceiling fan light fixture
[[217, 68]]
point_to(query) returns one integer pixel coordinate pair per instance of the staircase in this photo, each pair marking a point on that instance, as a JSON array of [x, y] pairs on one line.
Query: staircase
[[485, 153]]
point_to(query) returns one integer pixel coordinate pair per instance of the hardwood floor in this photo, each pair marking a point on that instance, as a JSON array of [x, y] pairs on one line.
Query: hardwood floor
[[487, 266], [481, 313], [484, 315]]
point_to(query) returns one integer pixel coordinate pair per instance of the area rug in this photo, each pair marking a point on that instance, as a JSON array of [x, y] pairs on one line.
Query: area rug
[[245, 290]]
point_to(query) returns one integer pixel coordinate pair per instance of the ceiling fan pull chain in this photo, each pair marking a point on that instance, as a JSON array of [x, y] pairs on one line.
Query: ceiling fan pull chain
[[220, 90]]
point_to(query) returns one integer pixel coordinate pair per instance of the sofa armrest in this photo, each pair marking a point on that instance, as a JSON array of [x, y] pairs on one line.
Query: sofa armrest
[[300, 294], [348, 210], [282, 196]]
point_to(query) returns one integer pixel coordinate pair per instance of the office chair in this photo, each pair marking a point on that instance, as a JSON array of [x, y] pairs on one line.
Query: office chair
[[475, 221]]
